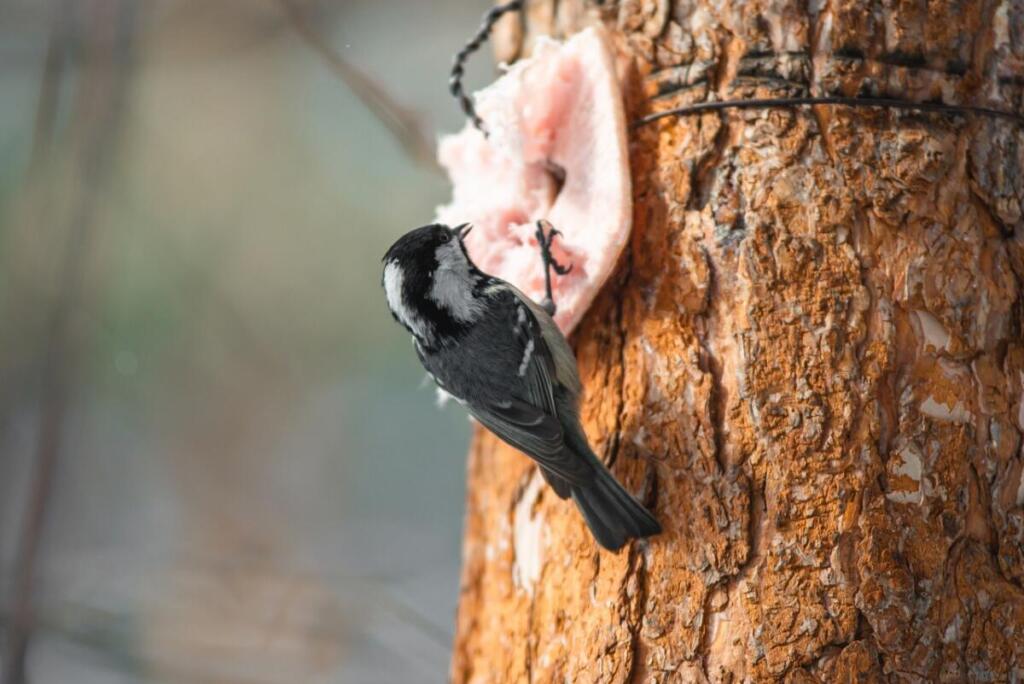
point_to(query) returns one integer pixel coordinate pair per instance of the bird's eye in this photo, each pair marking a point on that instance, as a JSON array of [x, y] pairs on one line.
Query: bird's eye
[[445, 237]]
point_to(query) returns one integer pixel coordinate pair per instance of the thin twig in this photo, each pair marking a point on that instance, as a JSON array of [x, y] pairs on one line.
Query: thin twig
[[786, 102], [46, 105], [103, 84], [404, 123], [455, 87]]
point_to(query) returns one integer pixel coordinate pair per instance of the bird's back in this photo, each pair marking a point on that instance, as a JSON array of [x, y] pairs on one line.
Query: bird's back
[[486, 361]]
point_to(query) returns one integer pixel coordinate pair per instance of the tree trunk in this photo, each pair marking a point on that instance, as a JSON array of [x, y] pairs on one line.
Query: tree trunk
[[809, 363]]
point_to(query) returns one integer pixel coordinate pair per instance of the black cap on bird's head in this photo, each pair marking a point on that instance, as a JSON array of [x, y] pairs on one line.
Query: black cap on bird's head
[[419, 246]]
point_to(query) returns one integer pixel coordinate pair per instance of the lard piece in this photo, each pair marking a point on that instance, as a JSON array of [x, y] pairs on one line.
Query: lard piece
[[556, 150]]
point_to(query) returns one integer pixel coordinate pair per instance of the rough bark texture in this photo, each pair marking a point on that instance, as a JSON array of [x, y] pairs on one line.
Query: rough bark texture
[[810, 363]]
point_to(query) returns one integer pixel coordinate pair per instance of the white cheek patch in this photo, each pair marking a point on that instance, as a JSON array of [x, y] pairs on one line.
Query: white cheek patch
[[393, 281], [562, 105]]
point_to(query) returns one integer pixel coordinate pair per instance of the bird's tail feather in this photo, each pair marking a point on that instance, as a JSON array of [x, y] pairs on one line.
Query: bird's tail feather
[[613, 515]]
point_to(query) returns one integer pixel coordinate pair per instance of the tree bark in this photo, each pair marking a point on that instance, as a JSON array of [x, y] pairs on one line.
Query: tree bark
[[810, 364]]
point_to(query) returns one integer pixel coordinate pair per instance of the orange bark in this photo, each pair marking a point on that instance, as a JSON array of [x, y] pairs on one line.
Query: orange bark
[[810, 363]]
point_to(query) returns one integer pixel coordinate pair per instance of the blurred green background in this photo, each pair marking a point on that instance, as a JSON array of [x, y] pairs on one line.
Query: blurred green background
[[218, 458]]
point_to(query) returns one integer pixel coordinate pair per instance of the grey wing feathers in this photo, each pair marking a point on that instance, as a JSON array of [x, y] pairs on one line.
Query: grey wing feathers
[[561, 356], [535, 433], [531, 423], [538, 370]]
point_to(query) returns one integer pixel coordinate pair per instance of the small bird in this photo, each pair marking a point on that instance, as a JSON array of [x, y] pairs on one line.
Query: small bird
[[502, 357]]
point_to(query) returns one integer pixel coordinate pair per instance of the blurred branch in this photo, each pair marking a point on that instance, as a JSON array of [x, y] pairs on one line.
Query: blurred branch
[[101, 99], [404, 123], [37, 212], [53, 67]]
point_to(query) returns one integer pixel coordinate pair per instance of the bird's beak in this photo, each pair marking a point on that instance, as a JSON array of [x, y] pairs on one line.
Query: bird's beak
[[462, 231]]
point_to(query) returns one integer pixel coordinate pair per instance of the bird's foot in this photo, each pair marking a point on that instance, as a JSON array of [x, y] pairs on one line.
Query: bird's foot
[[550, 264]]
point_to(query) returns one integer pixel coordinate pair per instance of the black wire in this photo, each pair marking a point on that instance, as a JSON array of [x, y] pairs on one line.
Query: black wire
[[877, 102], [459, 66]]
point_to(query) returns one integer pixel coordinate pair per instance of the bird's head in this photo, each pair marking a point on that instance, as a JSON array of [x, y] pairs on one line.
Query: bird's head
[[430, 282], [428, 248]]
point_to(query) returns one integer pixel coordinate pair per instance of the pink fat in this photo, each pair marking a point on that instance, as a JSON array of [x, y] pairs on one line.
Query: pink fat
[[560, 106]]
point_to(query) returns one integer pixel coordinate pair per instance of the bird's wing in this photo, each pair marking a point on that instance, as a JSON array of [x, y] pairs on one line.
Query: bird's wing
[[563, 361], [523, 426], [535, 433], [529, 419], [536, 366]]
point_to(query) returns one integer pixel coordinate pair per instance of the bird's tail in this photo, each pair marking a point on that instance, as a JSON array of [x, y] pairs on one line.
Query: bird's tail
[[613, 515]]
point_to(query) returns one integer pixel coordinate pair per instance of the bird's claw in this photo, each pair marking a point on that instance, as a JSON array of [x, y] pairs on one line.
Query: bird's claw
[[550, 264]]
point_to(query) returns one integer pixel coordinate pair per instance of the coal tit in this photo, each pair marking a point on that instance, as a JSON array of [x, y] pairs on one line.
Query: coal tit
[[502, 356]]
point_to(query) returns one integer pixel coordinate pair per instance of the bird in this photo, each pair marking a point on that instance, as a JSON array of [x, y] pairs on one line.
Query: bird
[[503, 358]]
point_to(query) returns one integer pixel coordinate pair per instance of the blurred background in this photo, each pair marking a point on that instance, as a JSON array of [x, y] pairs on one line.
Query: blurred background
[[218, 458]]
